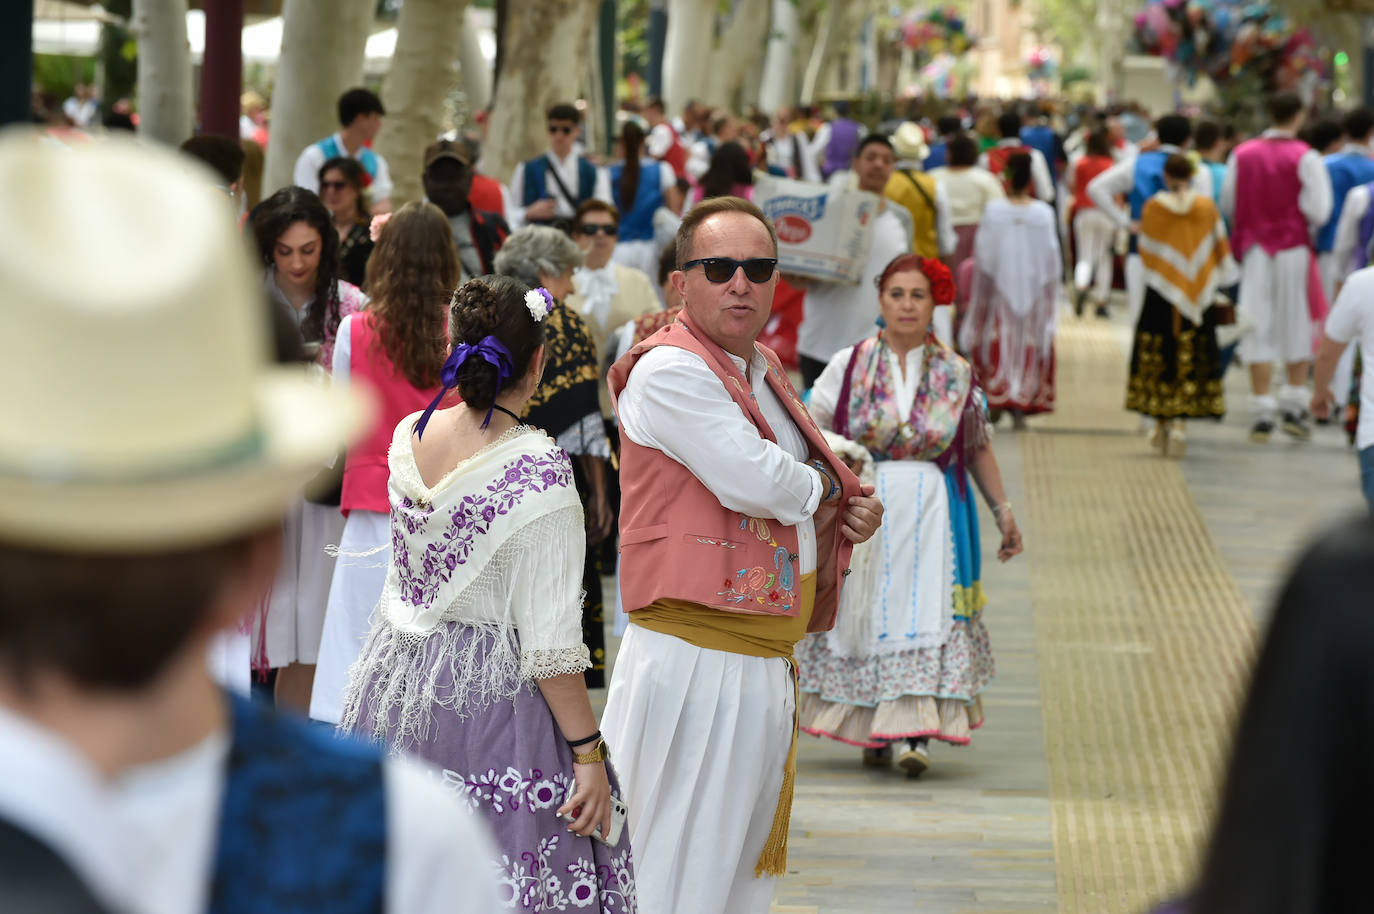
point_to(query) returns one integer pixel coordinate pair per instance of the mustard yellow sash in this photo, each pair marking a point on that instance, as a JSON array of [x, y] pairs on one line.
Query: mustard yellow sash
[[754, 636]]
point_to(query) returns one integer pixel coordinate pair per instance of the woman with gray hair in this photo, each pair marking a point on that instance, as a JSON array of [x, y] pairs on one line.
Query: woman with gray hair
[[566, 405]]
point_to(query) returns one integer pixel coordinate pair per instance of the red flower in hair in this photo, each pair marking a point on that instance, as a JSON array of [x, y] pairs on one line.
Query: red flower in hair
[[941, 280]]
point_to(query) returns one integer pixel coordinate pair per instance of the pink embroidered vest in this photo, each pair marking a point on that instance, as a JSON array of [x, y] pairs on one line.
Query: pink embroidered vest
[[365, 470], [678, 542], [1267, 191]]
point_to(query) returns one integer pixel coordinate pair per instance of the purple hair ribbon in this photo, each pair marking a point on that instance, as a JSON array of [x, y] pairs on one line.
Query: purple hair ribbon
[[491, 350]]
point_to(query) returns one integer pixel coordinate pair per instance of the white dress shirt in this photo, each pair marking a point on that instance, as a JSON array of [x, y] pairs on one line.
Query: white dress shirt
[[312, 159], [1314, 200], [659, 141], [144, 841], [675, 403], [1040, 169], [567, 170], [1119, 181]]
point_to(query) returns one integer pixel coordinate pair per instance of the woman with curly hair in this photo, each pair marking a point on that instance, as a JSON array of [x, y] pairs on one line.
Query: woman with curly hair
[[396, 348], [342, 183], [909, 656], [299, 248]]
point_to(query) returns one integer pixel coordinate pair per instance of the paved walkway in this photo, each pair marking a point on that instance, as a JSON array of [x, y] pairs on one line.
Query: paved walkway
[[1122, 637]]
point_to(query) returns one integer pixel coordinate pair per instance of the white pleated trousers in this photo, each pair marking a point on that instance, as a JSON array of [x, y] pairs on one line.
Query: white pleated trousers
[[699, 739]]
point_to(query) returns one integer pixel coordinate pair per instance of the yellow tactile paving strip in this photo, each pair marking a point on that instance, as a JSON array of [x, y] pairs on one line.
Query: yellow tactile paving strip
[[1143, 637]]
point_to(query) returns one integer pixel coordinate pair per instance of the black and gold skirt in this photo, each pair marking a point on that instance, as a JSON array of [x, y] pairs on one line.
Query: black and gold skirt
[[1175, 364]]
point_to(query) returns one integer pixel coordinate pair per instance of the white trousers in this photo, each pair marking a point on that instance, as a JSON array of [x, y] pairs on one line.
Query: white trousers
[[699, 739], [353, 594], [1094, 233], [1273, 297], [1135, 287]]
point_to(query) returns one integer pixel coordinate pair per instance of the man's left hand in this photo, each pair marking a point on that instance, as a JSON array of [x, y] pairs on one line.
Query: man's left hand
[[862, 517]]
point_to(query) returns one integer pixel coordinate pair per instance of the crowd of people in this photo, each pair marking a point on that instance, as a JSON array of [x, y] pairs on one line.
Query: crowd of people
[[567, 387]]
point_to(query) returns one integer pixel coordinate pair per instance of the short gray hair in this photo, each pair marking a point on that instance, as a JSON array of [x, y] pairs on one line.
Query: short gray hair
[[537, 249]]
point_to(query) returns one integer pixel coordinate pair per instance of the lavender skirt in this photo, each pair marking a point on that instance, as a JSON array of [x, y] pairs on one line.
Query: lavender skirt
[[511, 766]]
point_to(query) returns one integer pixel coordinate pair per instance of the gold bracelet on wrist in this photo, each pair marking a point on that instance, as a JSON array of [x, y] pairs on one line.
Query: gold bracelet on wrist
[[598, 753]]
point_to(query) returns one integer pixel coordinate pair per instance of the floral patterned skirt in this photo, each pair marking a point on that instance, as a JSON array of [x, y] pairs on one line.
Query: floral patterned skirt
[[509, 764], [1175, 367], [872, 701]]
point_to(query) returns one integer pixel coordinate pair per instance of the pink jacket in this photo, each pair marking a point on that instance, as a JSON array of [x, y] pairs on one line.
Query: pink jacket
[[678, 542]]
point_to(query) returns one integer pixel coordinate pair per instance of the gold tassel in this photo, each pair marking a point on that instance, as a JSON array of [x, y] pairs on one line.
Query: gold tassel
[[773, 858]]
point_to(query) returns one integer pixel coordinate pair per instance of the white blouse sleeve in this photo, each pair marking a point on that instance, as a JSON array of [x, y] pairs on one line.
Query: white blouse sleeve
[[824, 398], [343, 351], [545, 586]]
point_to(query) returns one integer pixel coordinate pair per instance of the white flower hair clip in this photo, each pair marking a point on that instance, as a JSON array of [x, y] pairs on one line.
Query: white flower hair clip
[[539, 302]]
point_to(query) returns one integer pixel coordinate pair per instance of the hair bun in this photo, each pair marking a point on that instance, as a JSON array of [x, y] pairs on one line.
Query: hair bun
[[476, 311]]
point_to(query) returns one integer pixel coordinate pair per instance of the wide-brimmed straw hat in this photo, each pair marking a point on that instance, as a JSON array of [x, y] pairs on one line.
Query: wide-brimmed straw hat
[[138, 408], [909, 143]]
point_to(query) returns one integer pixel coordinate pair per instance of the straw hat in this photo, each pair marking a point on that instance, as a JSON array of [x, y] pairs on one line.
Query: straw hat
[[909, 143], [140, 410]]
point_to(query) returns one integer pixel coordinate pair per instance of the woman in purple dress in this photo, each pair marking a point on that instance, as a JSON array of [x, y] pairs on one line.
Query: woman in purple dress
[[475, 658]]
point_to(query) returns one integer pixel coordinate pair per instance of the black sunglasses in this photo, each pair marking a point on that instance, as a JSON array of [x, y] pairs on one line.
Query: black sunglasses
[[558, 128], [592, 230], [333, 185], [722, 269]]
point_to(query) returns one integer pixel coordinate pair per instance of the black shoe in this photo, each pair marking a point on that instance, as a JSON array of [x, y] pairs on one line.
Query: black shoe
[[1102, 311], [1080, 302], [1295, 425], [1261, 430]]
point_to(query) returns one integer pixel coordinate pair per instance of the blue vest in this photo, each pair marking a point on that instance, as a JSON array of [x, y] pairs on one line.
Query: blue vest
[[637, 220], [938, 153], [1042, 137], [303, 826], [332, 150], [537, 185], [1218, 170], [1348, 170], [1149, 179]]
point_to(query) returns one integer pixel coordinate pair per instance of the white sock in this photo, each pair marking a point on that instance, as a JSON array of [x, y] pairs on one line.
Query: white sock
[[1263, 407], [1294, 399]]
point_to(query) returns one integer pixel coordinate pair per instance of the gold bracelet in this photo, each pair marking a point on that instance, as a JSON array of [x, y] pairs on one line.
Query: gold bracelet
[[599, 753]]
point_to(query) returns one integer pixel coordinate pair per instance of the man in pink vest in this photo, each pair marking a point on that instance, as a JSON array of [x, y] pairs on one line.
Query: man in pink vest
[[1276, 192], [736, 528]]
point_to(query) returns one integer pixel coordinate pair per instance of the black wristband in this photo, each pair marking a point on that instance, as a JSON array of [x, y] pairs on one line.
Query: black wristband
[[579, 742]]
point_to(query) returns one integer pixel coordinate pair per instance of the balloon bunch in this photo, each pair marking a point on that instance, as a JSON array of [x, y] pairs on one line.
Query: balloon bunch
[[1229, 40], [1041, 64], [935, 32]]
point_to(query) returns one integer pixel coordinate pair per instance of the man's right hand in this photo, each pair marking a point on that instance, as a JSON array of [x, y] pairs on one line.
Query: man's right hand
[[1321, 404], [862, 517], [540, 210]]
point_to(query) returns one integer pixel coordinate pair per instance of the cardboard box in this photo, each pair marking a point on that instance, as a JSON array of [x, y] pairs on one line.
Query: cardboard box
[[823, 232]]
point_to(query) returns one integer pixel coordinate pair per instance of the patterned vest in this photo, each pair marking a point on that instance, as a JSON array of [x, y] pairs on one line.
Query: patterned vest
[[303, 827], [677, 541]]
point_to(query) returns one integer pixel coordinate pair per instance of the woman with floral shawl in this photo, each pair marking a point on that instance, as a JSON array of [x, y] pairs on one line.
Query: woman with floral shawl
[[909, 655], [475, 659]]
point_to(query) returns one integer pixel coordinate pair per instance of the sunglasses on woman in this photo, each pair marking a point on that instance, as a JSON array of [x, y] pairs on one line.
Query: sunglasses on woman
[[592, 231], [722, 269], [333, 185]]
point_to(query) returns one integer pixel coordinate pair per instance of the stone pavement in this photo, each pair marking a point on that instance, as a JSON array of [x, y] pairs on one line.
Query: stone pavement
[[1122, 637]]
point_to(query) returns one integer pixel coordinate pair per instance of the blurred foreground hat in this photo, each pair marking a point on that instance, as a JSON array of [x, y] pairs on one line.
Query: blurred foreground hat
[[141, 410], [446, 149], [909, 143]]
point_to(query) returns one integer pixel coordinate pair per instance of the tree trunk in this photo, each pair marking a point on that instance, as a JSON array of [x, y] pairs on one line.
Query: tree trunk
[[473, 66], [830, 23], [535, 73], [428, 34], [321, 57], [164, 70], [691, 35], [779, 87], [729, 63]]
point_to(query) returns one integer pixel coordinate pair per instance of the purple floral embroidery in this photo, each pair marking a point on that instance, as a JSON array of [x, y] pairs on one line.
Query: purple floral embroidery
[[421, 576]]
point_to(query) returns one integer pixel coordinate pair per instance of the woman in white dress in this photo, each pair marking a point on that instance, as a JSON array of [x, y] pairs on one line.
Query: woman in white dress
[[475, 659], [909, 657]]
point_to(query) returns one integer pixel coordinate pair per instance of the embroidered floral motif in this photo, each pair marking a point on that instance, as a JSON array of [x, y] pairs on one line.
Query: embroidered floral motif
[[935, 415], [530, 882], [759, 585], [421, 576]]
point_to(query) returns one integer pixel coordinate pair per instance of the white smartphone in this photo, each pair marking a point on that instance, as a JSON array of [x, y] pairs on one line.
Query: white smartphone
[[618, 813]]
